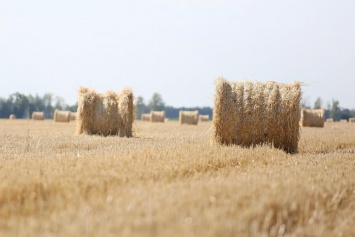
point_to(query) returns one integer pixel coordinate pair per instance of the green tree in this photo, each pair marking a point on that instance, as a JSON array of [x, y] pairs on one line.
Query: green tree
[[318, 103], [140, 106], [156, 102], [335, 110]]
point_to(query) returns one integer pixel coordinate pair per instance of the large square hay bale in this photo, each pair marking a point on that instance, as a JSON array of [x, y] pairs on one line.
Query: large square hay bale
[[37, 115], [249, 114], [312, 117], [61, 116], [157, 116], [188, 117], [105, 114]]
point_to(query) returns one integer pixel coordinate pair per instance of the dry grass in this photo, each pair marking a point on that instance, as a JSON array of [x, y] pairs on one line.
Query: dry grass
[[105, 114], [188, 117], [312, 117], [250, 114], [61, 116], [169, 181]]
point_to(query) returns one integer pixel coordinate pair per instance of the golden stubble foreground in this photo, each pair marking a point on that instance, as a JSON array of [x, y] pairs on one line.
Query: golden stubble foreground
[[168, 180]]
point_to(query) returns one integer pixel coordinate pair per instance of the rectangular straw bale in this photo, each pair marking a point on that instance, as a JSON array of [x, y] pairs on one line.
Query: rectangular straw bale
[[249, 114], [105, 114], [12, 116], [329, 120], [145, 117], [157, 116], [351, 120], [61, 116], [204, 118], [312, 117], [188, 117], [343, 120], [37, 115]]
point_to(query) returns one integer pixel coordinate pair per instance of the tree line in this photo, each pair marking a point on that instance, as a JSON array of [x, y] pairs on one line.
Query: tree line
[[23, 105]]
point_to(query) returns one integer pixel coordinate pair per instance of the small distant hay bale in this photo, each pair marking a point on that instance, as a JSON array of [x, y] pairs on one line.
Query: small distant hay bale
[[12, 116], [37, 115], [105, 114], [343, 120], [250, 114], [145, 117], [188, 117], [72, 116], [312, 117], [351, 120], [157, 116], [61, 116], [204, 118], [329, 120]]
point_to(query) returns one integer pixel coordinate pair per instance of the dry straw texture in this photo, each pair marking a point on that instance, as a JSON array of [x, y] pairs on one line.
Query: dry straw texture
[[329, 120], [12, 116], [248, 114], [157, 116], [36, 115], [312, 117], [351, 120], [145, 117], [204, 118], [72, 116], [105, 114], [188, 117], [61, 116]]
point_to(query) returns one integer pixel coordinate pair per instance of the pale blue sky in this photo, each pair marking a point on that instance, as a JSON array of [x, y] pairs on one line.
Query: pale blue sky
[[177, 48]]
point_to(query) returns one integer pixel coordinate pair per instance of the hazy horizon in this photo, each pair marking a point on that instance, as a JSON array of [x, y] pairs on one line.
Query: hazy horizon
[[177, 49]]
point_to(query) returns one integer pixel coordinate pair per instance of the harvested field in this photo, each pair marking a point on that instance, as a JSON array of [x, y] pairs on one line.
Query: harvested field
[[168, 180]]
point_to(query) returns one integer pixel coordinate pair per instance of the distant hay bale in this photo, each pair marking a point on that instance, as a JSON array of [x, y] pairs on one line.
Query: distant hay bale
[[204, 118], [188, 117], [157, 116], [343, 120], [249, 114], [329, 120], [312, 117], [351, 120], [105, 114], [61, 116], [37, 115], [72, 116], [12, 116], [145, 117]]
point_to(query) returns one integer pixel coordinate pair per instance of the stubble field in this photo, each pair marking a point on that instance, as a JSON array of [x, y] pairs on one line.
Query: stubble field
[[168, 180]]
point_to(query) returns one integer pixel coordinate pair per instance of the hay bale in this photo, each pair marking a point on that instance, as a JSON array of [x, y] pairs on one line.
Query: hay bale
[[312, 117], [37, 115], [105, 114], [157, 116], [188, 117], [249, 114], [145, 117], [351, 120], [12, 116], [329, 120], [204, 118], [343, 120], [72, 116], [61, 116]]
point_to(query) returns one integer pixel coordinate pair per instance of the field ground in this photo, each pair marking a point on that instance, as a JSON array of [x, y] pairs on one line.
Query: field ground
[[168, 180]]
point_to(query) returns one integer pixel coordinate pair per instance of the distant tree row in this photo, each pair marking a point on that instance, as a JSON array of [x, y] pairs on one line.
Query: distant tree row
[[23, 105], [332, 110], [156, 103]]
